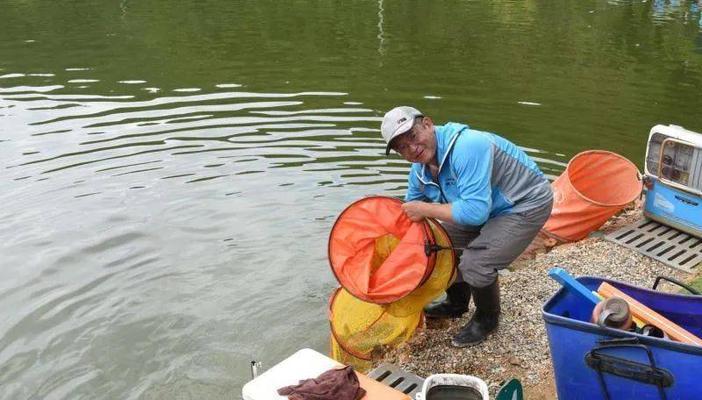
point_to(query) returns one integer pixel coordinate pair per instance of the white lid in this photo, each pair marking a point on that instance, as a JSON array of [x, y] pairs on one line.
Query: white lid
[[677, 132], [304, 364]]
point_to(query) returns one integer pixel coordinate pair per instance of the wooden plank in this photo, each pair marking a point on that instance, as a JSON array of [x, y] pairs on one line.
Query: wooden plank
[[649, 316]]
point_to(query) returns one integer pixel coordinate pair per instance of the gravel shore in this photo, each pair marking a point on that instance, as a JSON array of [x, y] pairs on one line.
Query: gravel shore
[[519, 348]]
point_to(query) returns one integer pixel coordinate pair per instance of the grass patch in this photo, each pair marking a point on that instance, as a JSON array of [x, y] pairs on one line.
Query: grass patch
[[696, 282]]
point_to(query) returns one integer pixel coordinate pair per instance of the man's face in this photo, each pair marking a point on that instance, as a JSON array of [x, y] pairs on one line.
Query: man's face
[[418, 145]]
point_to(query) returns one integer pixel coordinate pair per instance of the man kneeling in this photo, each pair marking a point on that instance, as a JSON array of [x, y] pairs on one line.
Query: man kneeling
[[488, 194]]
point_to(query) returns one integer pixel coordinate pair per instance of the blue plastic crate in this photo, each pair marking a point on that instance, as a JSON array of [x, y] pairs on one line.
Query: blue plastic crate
[[592, 362]]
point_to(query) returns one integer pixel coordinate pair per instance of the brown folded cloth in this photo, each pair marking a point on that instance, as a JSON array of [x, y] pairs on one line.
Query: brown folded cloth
[[335, 384]]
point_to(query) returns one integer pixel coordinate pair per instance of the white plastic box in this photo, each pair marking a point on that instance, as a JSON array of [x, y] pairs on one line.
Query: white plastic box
[[304, 364]]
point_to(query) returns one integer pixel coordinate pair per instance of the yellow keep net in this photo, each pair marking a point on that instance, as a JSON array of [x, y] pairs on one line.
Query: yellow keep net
[[360, 331]]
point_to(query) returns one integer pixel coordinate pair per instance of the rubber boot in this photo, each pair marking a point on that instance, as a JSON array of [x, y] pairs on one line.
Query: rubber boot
[[485, 319], [455, 304]]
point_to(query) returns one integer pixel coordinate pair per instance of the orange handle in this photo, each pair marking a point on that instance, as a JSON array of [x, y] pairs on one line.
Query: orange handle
[[649, 316]]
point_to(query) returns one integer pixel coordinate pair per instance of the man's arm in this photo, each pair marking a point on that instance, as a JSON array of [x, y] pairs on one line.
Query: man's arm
[[418, 210], [472, 163]]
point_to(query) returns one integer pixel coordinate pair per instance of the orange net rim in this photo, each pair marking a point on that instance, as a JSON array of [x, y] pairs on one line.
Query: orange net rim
[[609, 153], [554, 236], [454, 259], [431, 259]]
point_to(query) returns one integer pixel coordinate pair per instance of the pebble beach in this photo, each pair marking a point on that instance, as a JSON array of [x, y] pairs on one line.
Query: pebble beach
[[519, 349]]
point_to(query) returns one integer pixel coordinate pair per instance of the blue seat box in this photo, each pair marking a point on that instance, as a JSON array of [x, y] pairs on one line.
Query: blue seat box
[[674, 207]]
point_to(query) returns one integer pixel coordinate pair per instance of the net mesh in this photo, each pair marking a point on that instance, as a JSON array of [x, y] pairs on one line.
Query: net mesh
[[362, 330]]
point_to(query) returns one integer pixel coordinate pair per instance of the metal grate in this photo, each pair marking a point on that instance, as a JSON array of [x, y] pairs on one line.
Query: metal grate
[[661, 242], [391, 375]]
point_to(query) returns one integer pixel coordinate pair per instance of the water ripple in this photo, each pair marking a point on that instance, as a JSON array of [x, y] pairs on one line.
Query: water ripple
[[146, 217]]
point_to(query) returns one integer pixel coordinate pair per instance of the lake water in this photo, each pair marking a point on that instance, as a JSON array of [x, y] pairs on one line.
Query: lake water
[[171, 170]]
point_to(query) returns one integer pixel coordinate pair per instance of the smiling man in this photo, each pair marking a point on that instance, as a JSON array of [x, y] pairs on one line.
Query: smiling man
[[488, 194]]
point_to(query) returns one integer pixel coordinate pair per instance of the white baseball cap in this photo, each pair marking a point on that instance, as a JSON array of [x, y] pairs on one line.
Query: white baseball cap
[[397, 121]]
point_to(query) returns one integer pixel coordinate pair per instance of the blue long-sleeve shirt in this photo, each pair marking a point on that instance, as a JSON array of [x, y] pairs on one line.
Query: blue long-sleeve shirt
[[481, 174]]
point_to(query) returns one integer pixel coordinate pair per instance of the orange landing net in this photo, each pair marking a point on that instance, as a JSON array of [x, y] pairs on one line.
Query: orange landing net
[[377, 254]]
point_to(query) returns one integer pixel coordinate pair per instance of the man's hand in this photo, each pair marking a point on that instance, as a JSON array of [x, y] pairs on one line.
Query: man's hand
[[415, 210], [418, 210]]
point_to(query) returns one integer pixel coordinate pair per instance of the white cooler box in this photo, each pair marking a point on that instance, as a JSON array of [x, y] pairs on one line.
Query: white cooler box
[[306, 364]]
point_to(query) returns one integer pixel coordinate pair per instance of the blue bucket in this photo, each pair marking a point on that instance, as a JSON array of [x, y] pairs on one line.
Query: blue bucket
[[593, 362]]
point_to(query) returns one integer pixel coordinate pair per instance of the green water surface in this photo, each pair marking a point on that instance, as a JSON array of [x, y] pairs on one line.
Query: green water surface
[[171, 169]]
